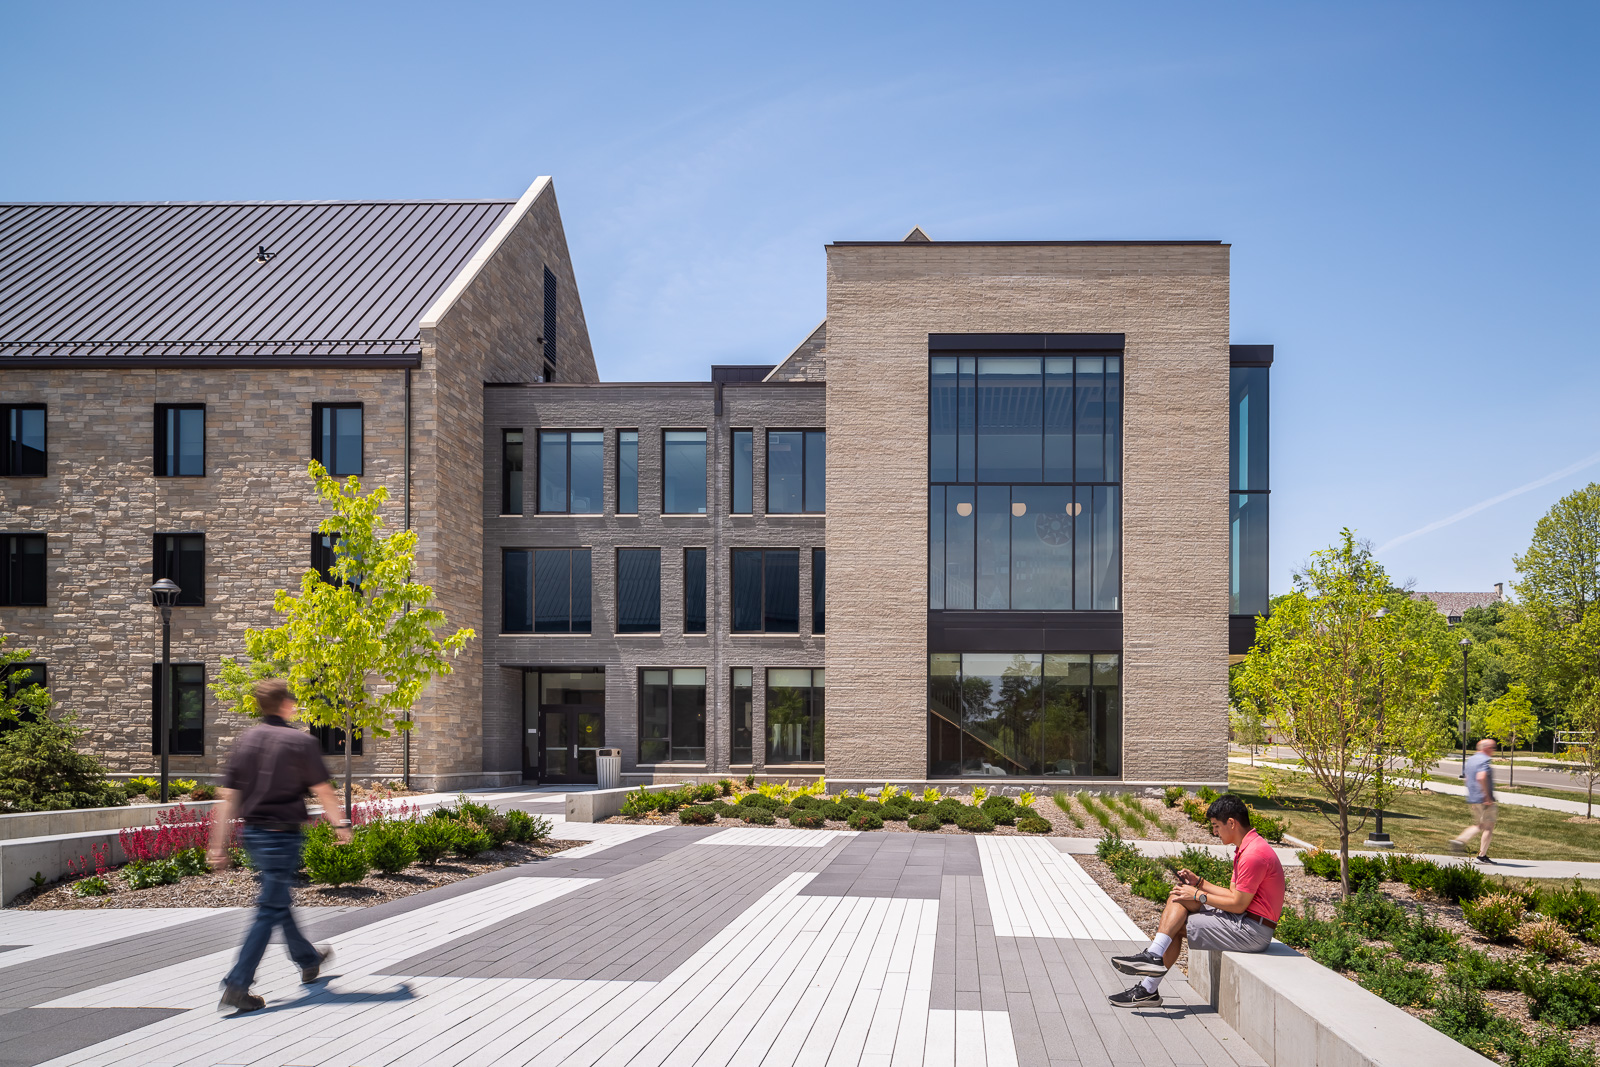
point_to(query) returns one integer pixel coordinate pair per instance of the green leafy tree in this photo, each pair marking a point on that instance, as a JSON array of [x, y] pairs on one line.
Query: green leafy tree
[[358, 650], [41, 768], [1509, 717], [1583, 720], [1349, 690], [1246, 716], [30, 699]]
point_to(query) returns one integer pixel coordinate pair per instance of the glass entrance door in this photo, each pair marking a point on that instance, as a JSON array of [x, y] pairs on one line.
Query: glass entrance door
[[570, 720]]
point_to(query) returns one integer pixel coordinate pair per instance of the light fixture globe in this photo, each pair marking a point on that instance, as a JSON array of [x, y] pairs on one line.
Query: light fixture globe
[[164, 593]]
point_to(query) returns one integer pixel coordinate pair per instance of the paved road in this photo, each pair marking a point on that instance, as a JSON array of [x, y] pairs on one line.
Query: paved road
[[1527, 773], [647, 946]]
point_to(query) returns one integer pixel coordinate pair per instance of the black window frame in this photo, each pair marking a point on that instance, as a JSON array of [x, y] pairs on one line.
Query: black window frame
[[806, 507], [734, 473], [9, 567], [629, 627], [814, 712], [11, 685], [10, 456], [746, 729], [161, 566], [705, 445], [672, 713], [695, 581], [576, 623], [507, 470], [734, 589], [538, 475], [183, 742], [332, 740], [552, 322], [819, 590], [161, 466], [317, 450]]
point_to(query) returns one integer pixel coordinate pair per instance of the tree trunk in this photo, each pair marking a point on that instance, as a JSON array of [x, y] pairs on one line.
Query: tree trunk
[[1344, 845]]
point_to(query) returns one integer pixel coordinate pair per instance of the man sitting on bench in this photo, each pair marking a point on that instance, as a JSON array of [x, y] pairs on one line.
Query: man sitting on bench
[[1240, 919]]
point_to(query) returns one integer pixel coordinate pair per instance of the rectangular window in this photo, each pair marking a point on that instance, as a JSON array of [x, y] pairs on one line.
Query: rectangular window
[[511, 472], [24, 454], [572, 472], [322, 557], [1010, 419], [545, 591], [795, 715], [332, 740], [180, 441], [694, 590], [182, 558], [336, 438], [819, 590], [797, 467], [1247, 427], [766, 590], [744, 472], [551, 321], [187, 736], [1031, 714], [1247, 553], [22, 578], [672, 715], [627, 472], [638, 590], [19, 676], [683, 472], [743, 708]]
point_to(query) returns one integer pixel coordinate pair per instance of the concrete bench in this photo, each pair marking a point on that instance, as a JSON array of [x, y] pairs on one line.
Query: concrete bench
[[598, 805], [1296, 1013]]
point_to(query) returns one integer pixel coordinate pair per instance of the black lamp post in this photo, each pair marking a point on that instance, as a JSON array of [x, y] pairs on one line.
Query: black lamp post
[[164, 596], [1465, 643], [349, 741], [1377, 838]]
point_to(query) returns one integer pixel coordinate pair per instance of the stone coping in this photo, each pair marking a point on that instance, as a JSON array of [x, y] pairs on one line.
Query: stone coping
[[1296, 1013], [19, 824]]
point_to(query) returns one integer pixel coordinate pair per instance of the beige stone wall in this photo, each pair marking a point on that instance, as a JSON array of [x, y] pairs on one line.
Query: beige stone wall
[[101, 506], [490, 334], [1171, 302]]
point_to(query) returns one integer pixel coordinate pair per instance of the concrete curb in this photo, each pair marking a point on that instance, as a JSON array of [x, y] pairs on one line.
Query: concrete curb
[[1294, 1011], [85, 820]]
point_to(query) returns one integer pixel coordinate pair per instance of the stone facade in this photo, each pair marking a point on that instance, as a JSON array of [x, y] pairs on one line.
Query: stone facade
[[649, 409], [808, 362], [1171, 303]]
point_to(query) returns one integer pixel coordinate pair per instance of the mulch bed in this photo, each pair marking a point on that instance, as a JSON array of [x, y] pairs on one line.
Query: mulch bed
[[236, 888]]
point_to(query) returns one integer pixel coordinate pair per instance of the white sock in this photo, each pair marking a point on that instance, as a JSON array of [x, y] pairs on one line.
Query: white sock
[[1160, 944], [1150, 984]]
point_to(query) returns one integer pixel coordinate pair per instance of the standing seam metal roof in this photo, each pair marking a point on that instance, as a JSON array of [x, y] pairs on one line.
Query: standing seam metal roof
[[160, 282]]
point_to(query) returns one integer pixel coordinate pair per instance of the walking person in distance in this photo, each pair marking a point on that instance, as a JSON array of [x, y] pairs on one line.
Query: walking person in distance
[[1480, 799], [272, 767], [1238, 919]]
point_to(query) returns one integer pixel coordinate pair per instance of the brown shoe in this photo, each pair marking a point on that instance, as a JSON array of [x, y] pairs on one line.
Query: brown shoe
[[239, 1001], [311, 973]]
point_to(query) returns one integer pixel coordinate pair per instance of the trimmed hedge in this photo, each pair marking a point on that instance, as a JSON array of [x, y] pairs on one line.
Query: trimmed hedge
[[866, 820], [1033, 824], [807, 819], [975, 820], [697, 815], [925, 821]]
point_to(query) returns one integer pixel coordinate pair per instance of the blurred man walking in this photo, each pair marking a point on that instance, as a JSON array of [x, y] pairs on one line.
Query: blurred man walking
[[1480, 798], [272, 768]]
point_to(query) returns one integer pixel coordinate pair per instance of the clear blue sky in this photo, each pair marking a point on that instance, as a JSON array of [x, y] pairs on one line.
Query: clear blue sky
[[1409, 189]]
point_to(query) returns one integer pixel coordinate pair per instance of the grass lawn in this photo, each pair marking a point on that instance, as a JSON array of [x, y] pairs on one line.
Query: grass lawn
[[1532, 791], [1423, 822]]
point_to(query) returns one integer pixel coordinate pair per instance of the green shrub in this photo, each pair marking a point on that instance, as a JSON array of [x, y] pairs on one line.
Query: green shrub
[[1213, 869], [1425, 941], [1395, 981], [1302, 929], [1482, 971], [1551, 1048], [756, 800], [1109, 844], [1364, 871], [203, 791], [925, 821], [726, 785], [389, 846], [807, 819], [866, 820], [638, 803], [468, 839], [1574, 907], [181, 786], [330, 863], [1371, 914], [835, 811], [759, 816], [1341, 950], [1173, 794], [1152, 887], [1457, 882], [41, 769], [948, 811], [191, 862], [805, 803], [432, 839], [670, 800], [918, 807], [498, 829], [697, 815], [998, 803], [895, 812], [870, 805], [144, 785], [1494, 915], [151, 874], [1033, 824], [974, 820], [849, 802], [521, 825], [1319, 862], [903, 801], [1548, 938], [92, 886], [1267, 826], [1196, 812], [1562, 997], [1207, 795], [704, 792], [1003, 816]]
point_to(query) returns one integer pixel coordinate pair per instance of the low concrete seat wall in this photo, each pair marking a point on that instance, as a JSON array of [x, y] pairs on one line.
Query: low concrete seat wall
[[598, 805], [85, 820], [23, 857], [1296, 1013]]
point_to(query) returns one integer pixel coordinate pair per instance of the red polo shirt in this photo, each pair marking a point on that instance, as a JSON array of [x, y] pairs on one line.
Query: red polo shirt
[[1256, 870]]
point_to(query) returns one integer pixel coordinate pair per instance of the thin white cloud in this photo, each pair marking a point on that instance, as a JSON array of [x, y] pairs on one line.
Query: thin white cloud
[[1492, 501]]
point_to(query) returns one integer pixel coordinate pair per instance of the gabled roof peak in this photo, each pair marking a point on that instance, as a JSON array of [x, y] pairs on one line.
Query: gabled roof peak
[[917, 234]]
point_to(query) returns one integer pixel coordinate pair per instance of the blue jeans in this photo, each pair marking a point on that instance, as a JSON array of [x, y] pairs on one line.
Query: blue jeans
[[276, 856]]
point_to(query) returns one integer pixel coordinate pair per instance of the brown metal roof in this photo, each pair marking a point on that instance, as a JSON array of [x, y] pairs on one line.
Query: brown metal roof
[[182, 283]]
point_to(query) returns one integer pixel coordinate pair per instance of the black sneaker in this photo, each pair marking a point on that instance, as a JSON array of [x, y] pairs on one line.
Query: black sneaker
[[311, 973], [239, 1001], [1486, 859], [1145, 964], [1136, 996]]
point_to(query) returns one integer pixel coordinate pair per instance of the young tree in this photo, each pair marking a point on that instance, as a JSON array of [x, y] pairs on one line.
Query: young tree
[[359, 650], [1346, 688], [1583, 719], [30, 699], [1511, 716]]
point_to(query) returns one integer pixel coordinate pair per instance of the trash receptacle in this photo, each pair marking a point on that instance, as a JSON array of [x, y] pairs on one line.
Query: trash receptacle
[[608, 767]]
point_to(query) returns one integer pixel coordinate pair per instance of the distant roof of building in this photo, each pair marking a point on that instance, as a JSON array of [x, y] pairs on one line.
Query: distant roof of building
[[1454, 604], [164, 283]]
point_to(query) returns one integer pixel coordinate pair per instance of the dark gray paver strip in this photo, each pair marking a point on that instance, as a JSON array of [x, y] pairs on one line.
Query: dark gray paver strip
[[896, 865], [30, 1036]]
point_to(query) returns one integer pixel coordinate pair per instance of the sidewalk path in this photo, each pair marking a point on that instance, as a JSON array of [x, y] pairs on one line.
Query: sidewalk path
[[1520, 800]]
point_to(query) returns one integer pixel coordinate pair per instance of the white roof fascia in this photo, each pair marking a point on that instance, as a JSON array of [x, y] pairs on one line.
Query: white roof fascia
[[485, 252], [809, 334]]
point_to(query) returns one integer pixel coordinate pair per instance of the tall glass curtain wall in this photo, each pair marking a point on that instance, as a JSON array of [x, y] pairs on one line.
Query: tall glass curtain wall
[[1024, 510], [1248, 481], [1026, 713]]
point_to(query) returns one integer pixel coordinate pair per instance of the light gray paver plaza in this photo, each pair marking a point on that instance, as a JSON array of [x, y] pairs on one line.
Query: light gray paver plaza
[[646, 946]]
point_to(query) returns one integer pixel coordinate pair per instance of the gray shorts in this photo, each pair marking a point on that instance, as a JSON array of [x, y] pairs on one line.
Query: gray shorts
[[1220, 931]]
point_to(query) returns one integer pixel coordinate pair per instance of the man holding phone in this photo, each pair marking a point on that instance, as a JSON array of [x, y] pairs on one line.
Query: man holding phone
[[1239, 919]]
